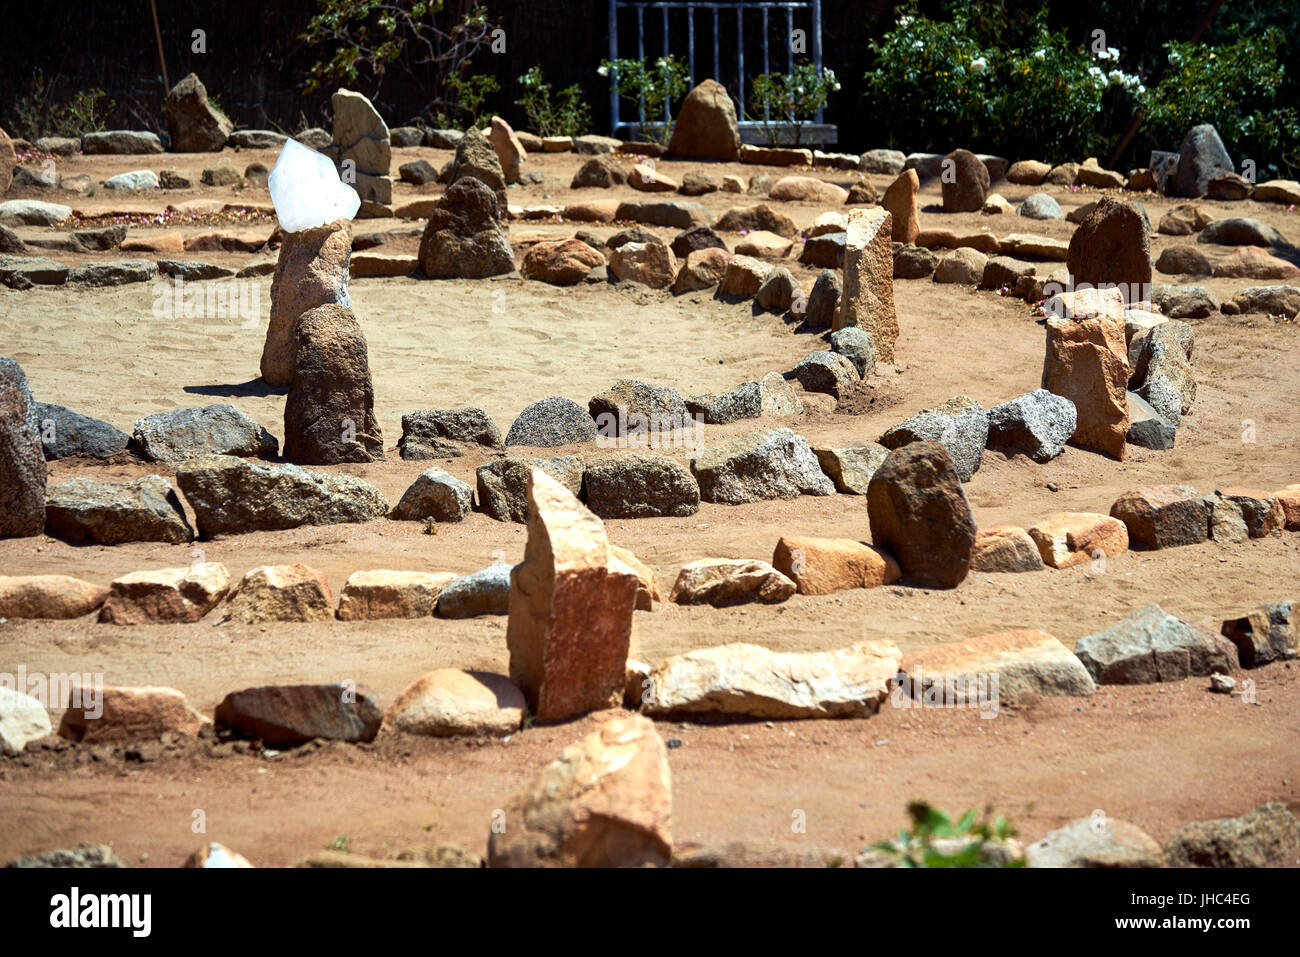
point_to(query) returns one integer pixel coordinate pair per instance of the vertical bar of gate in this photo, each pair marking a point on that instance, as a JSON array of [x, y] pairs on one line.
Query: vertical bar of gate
[[765, 66], [740, 58], [668, 107], [613, 74], [717, 64], [640, 53], [817, 43], [690, 40]]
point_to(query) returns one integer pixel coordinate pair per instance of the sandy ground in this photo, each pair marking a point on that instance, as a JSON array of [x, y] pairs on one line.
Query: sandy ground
[[1159, 756]]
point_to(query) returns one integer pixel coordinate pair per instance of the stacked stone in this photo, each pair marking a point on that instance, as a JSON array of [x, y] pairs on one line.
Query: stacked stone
[[361, 136]]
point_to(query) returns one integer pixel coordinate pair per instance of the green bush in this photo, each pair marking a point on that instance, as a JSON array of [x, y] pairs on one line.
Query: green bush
[[566, 115], [1234, 86], [783, 102], [36, 114], [982, 847], [658, 86]]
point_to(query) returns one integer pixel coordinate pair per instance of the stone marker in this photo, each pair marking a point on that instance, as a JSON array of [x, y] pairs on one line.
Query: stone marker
[[1086, 361], [868, 299], [571, 606], [312, 270], [722, 582], [22, 463], [706, 125], [1268, 633]]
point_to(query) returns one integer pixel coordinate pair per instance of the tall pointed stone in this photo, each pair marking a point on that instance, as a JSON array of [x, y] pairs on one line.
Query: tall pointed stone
[[22, 461], [1086, 362], [868, 299], [311, 271], [571, 607], [900, 201]]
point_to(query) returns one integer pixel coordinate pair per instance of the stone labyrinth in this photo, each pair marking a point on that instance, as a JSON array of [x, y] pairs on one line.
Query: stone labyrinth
[[694, 553]]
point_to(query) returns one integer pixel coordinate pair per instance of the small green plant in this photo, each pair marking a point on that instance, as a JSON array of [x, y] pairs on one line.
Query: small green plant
[[657, 86], [565, 115], [467, 95], [783, 103], [341, 843], [971, 841], [36, 113]]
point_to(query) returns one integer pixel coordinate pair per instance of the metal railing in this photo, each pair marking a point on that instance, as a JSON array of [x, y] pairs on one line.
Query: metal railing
[[719, 11]]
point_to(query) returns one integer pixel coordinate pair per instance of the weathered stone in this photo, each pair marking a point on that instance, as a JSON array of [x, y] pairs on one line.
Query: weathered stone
[[119, 273], [726, 581], [1163, 516], [382, 593], [1147, 428], [464, 237], [651, 264], [919, 514], [286, 715], [755, 218], [231, 495], [759, 466], [129, 714], [743, 277], [22, 719], [826, 250], [560, 262], [1036, 424], [503, 484], [444, 433], [1025, 662], [146, 509], [778, 290], [484, 592], [913, 262], [868, 299], [961, 425], [1259, 509], [901, 203], [752, 681], [822, 566], [312, 270], [1004, 548], [1268, 633], [886, 162], [1281, 301], [764, 245], [965, 182], [551, 422], [22, 463], [49, 596], [640, 486], [435, 495], [281, 593], [329, 414], [605, 802], [662, 213], [964, 266], [120, 142], [1111, 246], [165, 595], [1201, 157], [1067, 539], [1150, 646], [31, 212], [571, 606], [183, 434], [1185, 302], [1251, 262], [1040, 206], [857, 346], [808, 189], [851, 468], [1267, 836], [1289, 499], [1096, 842], [1086, 361], [256, 139], [827, 372], [510, 152], [449, 702], [705, 127], [702, 269], [648, 179]]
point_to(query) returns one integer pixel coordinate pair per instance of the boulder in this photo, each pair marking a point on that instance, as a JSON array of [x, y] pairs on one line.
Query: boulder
[[22, 719], [695, 239], [120, 143], [447, 433], [901, 204], [510, 152], [651, 264], [1025, 662], [1252, 262], [571, 605], [722, 582], [22, 463], [964, 266], [49, 596], [1267, 836], [913, 262], [822, 566], [808, 189], [382, 593], [1086, 362], [484, 592], [1152, 645], [503, 484], [1040, 206], [778, 290], [749, 219], [965, 182], [464, 237], [550, 422], [759, 466], [282, 716], [1147, 428], [1111, 247], [1241, 231], [1270, 632], [919, 514], [1281, 301], [827, 372], [744, 680], [1096, 842], [706, 125], [180, 435], [32, 212], [435, 495], [129, 714], [1200, 158], [561, 262], [851, 468], [82, 510], [882, 161], [1036, 424], [1067, 539], [312, 270], [231, 496], [1185, 302], [855, 345], [281, 593], [1163, 516], [165, 595], [960, 425], [640, 486], [449, 702], [673, 214], [119, 273], [1004, 548], [329, 414], [605, 802], [702, 269], [868, 299], [1260, 510], [1184, 220]]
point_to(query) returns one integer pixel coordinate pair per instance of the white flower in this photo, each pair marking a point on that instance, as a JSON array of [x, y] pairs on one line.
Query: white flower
[[918, 45], [1114, 53], [904, 21], [603, 71], [1116, 76], [979, 64], [1040, 54]]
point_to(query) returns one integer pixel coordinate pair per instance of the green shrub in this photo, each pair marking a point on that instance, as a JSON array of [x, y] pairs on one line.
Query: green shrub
[[915, 848], [36, 114], [1234, 86], [658, 86], [468, 95], [567, 115], [783, 102]]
